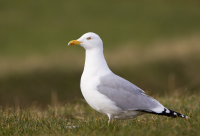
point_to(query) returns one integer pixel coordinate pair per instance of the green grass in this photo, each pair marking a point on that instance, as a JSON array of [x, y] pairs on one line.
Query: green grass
[[59, 119]]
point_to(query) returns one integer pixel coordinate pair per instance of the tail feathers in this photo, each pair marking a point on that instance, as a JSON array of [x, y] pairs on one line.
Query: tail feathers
[[169, 113]]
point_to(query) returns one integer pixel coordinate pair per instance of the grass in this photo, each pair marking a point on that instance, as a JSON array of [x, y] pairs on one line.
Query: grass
[[79, 119]]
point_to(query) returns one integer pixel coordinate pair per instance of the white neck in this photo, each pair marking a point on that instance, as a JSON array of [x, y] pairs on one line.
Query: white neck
[[95, 63]]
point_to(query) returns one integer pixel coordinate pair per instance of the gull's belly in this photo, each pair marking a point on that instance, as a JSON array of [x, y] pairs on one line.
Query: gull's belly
[[98, 101]]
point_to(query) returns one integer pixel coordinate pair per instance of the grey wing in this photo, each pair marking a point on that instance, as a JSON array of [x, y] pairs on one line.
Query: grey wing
[[126, 95]]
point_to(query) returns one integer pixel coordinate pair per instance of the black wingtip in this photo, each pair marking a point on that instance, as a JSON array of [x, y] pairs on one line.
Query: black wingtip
[[171, 113], [168, 113]]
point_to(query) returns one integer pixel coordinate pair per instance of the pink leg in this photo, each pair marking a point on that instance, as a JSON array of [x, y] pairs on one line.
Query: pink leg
[[109, 121], [110, 118]]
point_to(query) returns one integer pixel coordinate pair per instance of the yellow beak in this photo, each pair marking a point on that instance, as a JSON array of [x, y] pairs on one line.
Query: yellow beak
[[74, 42]]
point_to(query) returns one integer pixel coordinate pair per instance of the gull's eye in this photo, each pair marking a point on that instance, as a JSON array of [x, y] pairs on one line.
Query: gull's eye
[[89, 38]]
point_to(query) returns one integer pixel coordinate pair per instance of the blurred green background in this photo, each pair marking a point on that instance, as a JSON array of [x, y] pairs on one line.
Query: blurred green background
[[154, 44]]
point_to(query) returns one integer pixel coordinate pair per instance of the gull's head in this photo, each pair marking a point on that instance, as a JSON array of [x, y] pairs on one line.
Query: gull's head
[[88, 41]]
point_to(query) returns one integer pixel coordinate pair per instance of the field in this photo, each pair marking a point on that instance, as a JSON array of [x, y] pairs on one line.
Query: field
[[79, 119], [154, 44]]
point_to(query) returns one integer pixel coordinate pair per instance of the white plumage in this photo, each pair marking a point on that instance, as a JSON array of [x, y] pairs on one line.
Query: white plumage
[[108, 93]]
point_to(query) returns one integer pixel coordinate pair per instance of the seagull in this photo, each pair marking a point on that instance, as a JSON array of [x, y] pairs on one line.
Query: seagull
[[109, 93]]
